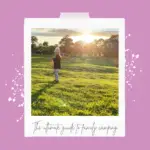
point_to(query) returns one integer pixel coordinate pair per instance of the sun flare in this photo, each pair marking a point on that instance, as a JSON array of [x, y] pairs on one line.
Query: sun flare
[[85, 38]]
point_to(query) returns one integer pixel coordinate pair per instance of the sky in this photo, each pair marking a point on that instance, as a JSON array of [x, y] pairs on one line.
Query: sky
[[53, 36]]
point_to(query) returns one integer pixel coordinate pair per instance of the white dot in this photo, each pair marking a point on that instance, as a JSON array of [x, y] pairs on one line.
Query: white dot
[[17, 120], [141, 70], [9, 99], [22, 95], [5, 84], [133, 100], [129, 34], [137, 56]]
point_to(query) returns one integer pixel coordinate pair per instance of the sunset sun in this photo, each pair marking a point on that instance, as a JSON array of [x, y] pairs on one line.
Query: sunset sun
[[87, 38]]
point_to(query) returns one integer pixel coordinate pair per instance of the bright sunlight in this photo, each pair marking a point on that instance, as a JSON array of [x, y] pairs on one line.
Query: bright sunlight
[[85, 37]]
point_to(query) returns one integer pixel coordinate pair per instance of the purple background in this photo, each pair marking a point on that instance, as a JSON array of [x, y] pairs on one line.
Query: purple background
[[12, 14]]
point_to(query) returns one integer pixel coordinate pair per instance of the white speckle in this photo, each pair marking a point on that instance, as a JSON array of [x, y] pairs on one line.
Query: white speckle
[[134, 67], [22, 95], [12, 88], [137, 56], [132, 61], [9, 99], [17, 120], [132, 55], [5, 84], [22, 105], [141, 70], [133, 74], [14, 100], [133, 100], [129, 34]]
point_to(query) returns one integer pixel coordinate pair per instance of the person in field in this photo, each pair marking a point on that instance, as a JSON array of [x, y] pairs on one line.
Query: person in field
[[57, 63]]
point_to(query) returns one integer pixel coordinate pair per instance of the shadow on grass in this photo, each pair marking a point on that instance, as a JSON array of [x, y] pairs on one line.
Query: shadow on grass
[[38, 93]]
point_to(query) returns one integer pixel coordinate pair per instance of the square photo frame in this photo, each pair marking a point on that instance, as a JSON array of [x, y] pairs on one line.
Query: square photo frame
[[74, 125]]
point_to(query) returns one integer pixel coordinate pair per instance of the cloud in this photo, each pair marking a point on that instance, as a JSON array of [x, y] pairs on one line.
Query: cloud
[[105, 33], [54, 32], [73, 32]]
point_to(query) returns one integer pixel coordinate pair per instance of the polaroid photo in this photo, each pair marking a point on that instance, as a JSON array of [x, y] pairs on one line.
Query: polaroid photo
[[74, 80]]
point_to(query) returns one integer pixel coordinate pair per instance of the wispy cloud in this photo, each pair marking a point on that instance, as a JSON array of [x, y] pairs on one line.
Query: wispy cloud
[[73, 32], [54, 32]]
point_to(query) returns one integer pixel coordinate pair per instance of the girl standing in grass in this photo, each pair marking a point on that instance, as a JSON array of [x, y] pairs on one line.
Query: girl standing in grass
[[57, 64]]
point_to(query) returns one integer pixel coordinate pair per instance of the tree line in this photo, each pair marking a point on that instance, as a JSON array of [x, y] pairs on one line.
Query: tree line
[[100, 47]]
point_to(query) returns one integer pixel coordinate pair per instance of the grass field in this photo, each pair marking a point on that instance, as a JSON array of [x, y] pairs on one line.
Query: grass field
[[87, 87]]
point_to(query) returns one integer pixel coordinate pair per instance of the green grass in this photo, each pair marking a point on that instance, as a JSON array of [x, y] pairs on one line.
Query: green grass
[[88, 87]]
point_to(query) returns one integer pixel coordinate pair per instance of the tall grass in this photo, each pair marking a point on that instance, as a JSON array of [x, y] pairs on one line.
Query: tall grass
[[87, 87]]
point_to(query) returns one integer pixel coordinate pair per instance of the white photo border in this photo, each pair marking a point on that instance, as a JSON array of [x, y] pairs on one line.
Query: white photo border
[[118, 121]]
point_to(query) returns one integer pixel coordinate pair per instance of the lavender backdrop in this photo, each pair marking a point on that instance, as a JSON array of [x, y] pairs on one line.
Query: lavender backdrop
[[136, 13]]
